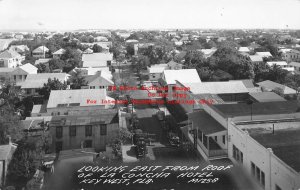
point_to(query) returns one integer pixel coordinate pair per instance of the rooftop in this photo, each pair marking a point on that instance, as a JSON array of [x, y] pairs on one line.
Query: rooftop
[[227, 87], [96, 59], [105, 116], [260, 108], [8, 54], [267, 97], [71, 98], [38, 80], [270, 85], [264, 54], [183, 75], [40, 49], [285, 144], [59, 52], [256, 58]]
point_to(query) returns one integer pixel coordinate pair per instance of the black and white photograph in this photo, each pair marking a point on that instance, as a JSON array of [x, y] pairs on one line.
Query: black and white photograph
[[150, 94]]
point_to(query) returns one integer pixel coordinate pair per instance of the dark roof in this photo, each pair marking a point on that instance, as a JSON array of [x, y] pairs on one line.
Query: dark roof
[[205, 123], [285, 144], [259, 108], [266, 97], [104, 116]]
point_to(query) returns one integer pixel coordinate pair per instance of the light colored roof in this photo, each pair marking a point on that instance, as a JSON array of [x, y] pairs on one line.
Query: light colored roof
[[7, 54], [77, 96], [284, 50], [19, 48], [244, 49], [256, 58], [264, 54], [132, 41], [40, 49], [29, 68], [208, 52], [101, 77], [182, 75], [41, 61], [226, 87], [4, 43], [88, 50], [38, 80], [270, 85], [59, 52], [279, 63], [96, 59], [156, 69], [91, 70]]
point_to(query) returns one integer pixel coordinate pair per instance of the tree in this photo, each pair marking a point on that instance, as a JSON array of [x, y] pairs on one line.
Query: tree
[[54, 84], [130, 50], [194, 59], [56, 64], [77, 80], [9, 113], [96, 48], [43, 68]]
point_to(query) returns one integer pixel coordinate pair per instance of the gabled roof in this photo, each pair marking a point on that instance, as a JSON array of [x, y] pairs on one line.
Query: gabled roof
[[88, 51], [182, 75], [59, 52], [225, 87], [38, 80], [208, 52], [40, 49], [8, 54], [256, 58], [102, 77], [21, 48], [78, 97], [91, 70], [29, 68], [96, 59], [270, 85]]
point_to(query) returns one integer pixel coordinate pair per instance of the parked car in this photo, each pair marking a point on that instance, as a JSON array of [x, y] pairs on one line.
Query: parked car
[[173, 139]]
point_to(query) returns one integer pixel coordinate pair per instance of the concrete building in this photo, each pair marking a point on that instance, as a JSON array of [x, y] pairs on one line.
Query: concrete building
[[290, 55], [84, 131], [284, 65]]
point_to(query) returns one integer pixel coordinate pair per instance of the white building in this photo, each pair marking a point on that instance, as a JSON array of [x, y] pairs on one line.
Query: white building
[[10, 59], [40, 52]]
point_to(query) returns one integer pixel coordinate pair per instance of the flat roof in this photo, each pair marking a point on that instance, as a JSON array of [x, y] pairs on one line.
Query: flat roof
[[259, 108], [285, 144], [267, 97]]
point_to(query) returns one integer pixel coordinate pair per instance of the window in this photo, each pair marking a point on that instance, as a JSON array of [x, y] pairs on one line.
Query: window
[[242, 158], [237, 154], [262, 179], [92, 87], [88, 130], [59, 132], [72, 131], [153, 76], [224, 139], [216, 138], [258, 174], [88, 144], [20, 77], [252, 169], [58, 146], [103, 129], [15, 77]]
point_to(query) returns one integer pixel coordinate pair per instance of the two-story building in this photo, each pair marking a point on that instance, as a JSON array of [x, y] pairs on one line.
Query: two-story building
[[84, 131], [10, 59], [40, 52], [18, 74], [101, 80]]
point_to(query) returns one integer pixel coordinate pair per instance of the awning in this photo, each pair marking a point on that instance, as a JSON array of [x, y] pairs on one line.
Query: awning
[[205, 123]]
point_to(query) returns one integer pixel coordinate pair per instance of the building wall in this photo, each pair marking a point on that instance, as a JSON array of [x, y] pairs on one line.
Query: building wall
[[99, 142], [11, 63], [276, 171], [154, 76], [73, 110]]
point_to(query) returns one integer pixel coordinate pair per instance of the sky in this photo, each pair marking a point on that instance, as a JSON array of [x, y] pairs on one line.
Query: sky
[[148, 14]]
